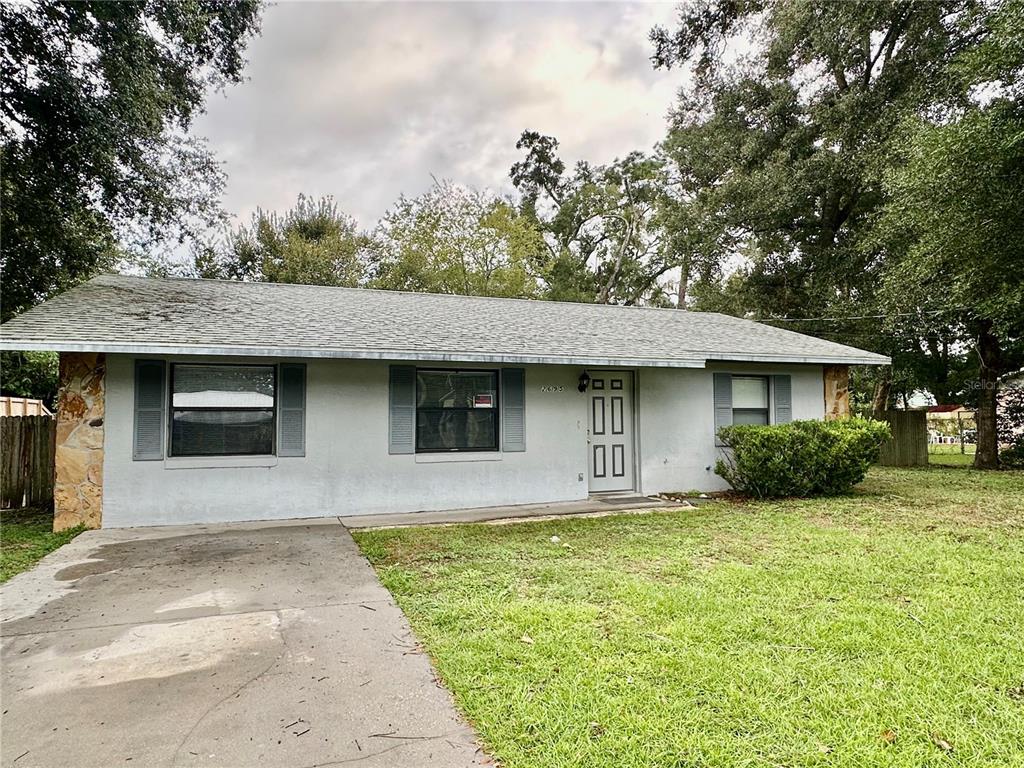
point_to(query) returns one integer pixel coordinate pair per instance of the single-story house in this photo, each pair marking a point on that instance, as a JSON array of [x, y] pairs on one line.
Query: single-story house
[[187, 401]]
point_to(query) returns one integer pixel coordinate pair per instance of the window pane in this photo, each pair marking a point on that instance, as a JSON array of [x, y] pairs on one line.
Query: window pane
[[222, 433], [749, 392], [469, 429], [223, 386], [457, 389], [749, 416]]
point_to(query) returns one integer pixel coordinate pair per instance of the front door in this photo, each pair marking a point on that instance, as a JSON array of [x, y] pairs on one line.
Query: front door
[[610, 431]]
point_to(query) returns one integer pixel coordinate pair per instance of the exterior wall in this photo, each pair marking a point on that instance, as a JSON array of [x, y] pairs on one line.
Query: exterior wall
[[676, 421], [837, 391], [347, 469], [78, 456]]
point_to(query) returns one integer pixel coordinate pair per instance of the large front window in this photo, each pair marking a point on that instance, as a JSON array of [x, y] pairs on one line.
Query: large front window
[[456, 411], [749, 399], [222, 410]]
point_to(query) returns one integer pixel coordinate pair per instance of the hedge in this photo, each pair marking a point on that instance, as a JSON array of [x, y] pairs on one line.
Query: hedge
[[801, 458]]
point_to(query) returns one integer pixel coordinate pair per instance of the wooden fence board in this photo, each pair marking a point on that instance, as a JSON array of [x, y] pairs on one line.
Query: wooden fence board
[[27, 444], [908, 446]]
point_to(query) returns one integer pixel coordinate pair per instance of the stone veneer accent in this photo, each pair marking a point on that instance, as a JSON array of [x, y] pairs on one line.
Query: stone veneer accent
[[78, 486], [837, 391]]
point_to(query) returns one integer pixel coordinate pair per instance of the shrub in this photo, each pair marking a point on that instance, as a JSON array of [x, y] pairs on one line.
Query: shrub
[[1011, 425], [1013, 456], [802, 458]]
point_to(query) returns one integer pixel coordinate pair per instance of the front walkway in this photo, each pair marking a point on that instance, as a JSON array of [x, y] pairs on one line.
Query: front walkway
[[231, 645], [595, 506]]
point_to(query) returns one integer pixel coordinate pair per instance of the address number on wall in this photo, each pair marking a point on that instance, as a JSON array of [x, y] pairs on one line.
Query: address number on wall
[[552, 389]]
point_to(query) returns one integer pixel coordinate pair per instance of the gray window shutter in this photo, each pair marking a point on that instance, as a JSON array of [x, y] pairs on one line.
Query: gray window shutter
[[513, 409], [148, 432], [291, 403], [783, 388], [402, 409], [723, 403]]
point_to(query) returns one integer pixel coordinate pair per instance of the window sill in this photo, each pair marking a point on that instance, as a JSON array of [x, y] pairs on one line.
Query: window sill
[[218, 462], [445, 458]]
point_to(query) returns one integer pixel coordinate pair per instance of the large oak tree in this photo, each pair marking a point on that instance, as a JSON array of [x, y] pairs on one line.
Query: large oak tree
[[97, 102], [782, 141]]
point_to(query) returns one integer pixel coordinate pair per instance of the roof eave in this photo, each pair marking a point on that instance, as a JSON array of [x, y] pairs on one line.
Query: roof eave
[[697, 360], [861, 358]]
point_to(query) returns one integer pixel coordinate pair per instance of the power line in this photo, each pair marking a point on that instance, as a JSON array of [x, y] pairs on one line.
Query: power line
[[861, 317]]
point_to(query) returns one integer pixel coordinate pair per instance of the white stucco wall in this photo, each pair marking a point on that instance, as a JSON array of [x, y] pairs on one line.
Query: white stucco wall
[[677, 447], [347, 469]]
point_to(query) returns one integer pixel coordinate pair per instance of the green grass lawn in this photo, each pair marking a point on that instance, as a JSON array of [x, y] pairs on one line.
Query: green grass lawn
[[880, 629], [26, 536], [950, 456]]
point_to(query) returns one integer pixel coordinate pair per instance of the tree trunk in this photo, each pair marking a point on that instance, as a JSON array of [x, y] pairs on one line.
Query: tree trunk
[[989, 354], [684, 283], [880, 402]]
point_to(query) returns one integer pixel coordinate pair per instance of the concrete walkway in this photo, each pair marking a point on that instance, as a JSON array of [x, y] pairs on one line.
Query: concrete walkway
[[592, 507], [229, 645]]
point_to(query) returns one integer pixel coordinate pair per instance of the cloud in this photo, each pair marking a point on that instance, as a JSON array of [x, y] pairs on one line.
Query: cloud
[[366, 101]]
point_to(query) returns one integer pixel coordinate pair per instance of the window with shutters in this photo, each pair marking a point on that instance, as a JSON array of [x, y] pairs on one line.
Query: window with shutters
[[456, 410], [750, 400], [222, 410]]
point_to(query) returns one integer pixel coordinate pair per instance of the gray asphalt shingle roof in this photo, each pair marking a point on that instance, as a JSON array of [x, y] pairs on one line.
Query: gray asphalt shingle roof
[[117, 313]]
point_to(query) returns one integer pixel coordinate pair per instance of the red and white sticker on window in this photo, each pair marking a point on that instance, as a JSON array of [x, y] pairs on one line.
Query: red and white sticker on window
[[483, 401]]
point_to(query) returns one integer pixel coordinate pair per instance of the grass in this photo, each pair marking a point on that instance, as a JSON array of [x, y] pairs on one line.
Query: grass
[[950, 456], [885, 628], [26, 536]]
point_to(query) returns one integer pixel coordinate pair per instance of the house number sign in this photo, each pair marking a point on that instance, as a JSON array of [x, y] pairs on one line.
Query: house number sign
[[552, 389]]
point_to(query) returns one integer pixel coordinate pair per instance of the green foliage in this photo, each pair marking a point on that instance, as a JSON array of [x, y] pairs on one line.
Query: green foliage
[[956, 204], [30, 374], [1011, 410], [779, 159], [954, 213], [314, 244], [1012, 457], [802, 458], [98, 99], [453, 239], [601, 225], [1011, 424]]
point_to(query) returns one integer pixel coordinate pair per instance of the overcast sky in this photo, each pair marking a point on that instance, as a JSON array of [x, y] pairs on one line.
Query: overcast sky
[[365, 101]]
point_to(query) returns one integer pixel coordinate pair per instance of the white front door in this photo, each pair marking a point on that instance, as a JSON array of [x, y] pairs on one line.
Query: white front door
[[610, 431]]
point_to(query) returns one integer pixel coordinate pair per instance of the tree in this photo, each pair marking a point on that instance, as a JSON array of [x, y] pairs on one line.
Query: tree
[[314, 244], [957, 204], [453, 239], [97, 102], [601, 224], [30, 374], [780, 144]]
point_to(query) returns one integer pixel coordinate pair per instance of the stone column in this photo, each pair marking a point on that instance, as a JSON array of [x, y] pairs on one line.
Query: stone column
[[837, 391], [78, 486]]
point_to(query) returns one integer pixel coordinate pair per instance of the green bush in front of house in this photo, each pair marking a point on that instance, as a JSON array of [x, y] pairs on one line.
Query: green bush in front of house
[[802, 458]]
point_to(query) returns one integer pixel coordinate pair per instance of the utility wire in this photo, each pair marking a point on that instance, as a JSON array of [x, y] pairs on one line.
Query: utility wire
[[860, 317]]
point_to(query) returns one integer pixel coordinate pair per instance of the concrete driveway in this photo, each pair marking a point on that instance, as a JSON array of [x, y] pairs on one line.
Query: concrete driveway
[[229, 645]]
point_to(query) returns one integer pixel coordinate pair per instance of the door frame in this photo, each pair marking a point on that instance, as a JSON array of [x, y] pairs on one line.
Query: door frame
[[635, 403]]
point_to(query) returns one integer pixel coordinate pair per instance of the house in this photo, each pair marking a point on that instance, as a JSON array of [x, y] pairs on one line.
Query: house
[[948, 423], [187, 401]]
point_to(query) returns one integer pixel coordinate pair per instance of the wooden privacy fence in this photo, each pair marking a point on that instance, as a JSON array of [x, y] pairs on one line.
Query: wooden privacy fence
[[908, 446], [26, 460]]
